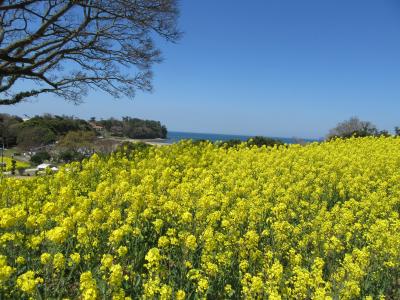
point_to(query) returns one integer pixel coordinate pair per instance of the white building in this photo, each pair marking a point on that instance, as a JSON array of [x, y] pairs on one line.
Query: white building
[[42, 167]]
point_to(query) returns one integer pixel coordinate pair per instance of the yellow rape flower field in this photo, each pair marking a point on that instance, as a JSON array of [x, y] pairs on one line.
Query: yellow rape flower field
[[18, 164], [200, 221]]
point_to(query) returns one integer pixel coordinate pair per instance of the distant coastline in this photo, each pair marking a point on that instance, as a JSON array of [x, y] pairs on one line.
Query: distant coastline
[[176, 136]]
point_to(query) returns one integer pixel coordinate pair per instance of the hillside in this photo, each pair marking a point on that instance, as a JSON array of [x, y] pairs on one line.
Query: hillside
[[40, 131]]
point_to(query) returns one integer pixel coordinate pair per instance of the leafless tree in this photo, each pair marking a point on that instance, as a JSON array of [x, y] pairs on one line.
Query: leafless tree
[[353, 127], [66, 47]]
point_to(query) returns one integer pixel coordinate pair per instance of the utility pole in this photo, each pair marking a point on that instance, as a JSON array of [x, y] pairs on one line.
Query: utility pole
[[2, 128], [2, 155]]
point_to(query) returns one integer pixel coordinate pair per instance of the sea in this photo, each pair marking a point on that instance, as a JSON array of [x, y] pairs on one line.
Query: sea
[[176, 136]]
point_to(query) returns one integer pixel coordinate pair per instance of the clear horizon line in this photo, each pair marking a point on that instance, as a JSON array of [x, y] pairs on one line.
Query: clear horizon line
[[247, 135]]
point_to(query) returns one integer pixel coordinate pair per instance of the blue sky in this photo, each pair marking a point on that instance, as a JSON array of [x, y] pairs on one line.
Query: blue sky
[[266, 67]]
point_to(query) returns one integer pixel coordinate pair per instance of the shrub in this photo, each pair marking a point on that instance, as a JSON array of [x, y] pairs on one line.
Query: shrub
[[260, 141], [40, 157]]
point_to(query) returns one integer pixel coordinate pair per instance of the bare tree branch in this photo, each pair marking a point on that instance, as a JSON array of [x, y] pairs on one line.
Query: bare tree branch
[[17, 5], [22, 95], [66, 47]]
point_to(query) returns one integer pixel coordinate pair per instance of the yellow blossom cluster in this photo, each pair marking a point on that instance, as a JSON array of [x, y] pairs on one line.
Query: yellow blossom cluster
[[205, 221]]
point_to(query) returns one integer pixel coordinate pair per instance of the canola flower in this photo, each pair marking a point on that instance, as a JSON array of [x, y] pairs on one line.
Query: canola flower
[[27, 282], [18, 164], [201, 221]]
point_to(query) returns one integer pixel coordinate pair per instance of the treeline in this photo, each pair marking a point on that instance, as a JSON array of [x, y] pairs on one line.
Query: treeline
[[47, 129], [9, 129], [354, 127], [38, 131], [134, 128]]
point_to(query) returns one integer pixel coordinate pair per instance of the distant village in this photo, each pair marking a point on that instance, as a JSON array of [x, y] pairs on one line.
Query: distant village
[[31, 146]]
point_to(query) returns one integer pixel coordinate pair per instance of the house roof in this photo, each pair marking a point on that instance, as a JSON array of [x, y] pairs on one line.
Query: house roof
[[95, 126]]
